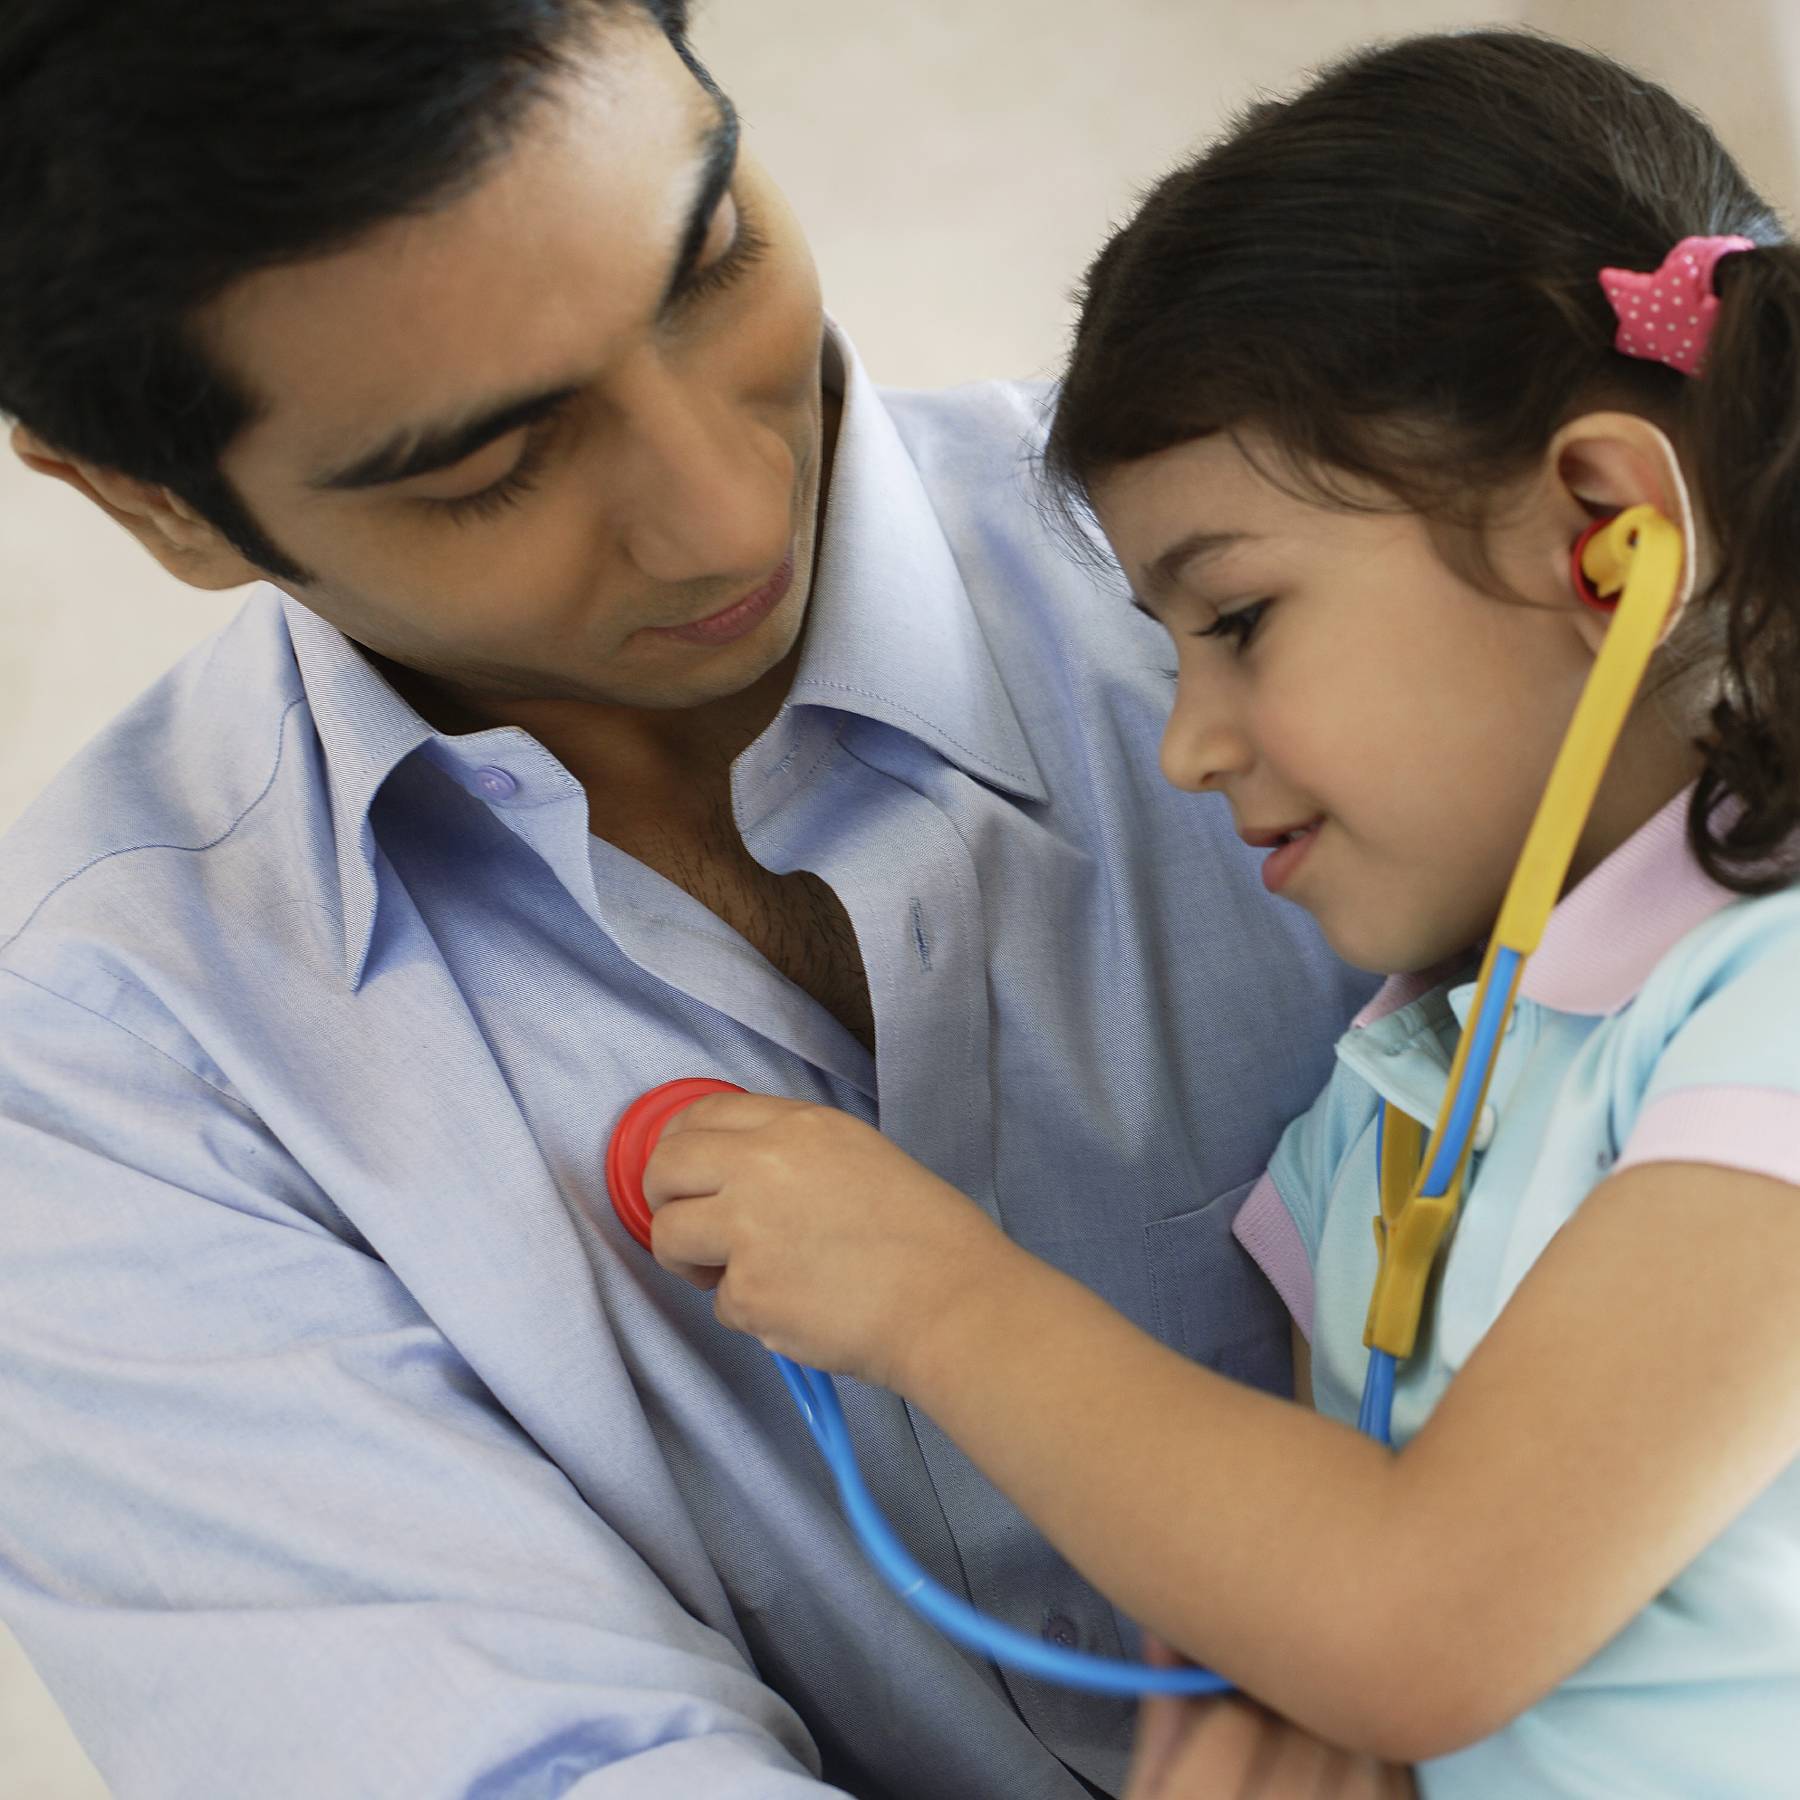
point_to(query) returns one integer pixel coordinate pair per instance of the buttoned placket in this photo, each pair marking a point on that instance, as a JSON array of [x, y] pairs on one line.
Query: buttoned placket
[[920, 921], [1407, 1059]]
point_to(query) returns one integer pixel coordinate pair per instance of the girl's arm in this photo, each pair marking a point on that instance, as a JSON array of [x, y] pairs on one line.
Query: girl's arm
[[1640, 1389]]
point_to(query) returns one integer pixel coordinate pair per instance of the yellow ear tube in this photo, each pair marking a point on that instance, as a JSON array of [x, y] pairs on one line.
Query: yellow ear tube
[[1606, 557], [1640, 552]]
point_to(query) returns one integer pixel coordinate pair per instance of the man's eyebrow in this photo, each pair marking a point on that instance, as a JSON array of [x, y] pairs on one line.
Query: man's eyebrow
[[421, 450], [415, 450], [718, 164], [1157, 578]]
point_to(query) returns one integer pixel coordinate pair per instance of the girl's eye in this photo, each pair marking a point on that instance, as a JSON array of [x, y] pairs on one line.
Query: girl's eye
[[1239, 626]]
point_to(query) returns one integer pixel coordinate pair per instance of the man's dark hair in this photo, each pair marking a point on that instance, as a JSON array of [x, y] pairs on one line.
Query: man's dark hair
[[1395, 276], [153, 152]]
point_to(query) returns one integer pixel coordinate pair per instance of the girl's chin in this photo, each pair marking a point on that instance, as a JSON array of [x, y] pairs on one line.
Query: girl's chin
[[1375, 951]]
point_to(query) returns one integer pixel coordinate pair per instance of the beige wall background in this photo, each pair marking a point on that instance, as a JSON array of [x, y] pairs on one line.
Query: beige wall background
[[956, 164]]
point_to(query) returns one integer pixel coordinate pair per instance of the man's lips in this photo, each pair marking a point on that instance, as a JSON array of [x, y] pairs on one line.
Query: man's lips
[[742, 613]]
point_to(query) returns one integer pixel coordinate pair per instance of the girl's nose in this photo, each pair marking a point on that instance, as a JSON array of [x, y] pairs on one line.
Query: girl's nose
[[1203, 742]]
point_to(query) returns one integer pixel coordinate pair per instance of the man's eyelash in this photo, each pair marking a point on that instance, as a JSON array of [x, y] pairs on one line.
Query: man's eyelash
[[511, 488], [1239, 626], [746, 251]]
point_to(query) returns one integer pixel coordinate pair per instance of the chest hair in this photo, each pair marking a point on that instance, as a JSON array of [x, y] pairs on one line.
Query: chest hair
[[795, 921]]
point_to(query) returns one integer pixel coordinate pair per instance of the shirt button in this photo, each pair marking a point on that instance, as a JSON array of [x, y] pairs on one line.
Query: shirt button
[[1484, 1128], [496, 783], [1059, 1629]]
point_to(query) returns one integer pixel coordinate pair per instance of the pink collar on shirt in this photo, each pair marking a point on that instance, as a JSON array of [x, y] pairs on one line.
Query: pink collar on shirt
[[1606, 934]]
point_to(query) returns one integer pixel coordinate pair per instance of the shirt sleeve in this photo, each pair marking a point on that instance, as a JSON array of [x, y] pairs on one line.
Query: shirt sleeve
[[262, 1530], [1282, 1221], [1722, 1044]]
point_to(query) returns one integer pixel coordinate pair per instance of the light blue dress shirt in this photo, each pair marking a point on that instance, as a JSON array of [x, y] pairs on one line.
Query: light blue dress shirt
[[1658, 1021], [348, 1446]]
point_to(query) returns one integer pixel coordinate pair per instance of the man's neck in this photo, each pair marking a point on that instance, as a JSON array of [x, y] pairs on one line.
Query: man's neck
[[636, 763]]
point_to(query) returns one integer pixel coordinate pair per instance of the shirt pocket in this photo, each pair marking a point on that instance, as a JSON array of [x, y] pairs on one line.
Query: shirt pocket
[[1210, 1300]]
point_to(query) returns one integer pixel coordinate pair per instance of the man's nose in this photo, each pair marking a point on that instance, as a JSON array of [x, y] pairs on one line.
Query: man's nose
[[1204, 740], [707, 490]]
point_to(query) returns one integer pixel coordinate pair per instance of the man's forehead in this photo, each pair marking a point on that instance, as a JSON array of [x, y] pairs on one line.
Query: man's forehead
[[565, 245]]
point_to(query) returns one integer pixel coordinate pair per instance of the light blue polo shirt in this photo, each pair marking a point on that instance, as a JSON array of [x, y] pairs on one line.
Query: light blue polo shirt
[[1659, 1021]]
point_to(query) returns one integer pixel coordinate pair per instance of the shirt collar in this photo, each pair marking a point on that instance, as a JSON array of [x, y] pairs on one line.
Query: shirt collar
[[1606, 934], [366, 731], [890, 634]]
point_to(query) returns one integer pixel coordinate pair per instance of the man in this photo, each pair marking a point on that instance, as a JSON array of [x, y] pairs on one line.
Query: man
[[636, 693]]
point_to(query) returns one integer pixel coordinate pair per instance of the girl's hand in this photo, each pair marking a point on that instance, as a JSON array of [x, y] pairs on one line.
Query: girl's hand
[[1226, 1747], [822, 1239]]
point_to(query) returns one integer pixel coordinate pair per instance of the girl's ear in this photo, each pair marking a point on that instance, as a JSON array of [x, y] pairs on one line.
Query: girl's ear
[[1603, 462]]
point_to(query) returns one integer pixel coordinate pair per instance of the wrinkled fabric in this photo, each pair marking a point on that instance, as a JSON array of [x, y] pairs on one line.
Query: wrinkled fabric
[[348, 1445]]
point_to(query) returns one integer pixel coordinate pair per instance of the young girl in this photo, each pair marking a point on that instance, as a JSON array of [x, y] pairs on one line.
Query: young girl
[[1343, 396]]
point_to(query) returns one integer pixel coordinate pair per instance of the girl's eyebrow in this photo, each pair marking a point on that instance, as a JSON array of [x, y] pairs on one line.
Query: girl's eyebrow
[[1156, 578]]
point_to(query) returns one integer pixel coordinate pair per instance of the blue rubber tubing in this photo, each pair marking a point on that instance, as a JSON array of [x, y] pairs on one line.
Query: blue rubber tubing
[[818, 1402], [814, 1395]]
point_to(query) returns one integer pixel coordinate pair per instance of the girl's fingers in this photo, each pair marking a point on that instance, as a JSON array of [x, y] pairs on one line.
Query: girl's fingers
[[1226, 1747], [729, 1112], [681, 1167], [1161, 1721], [689, 1235], [1217, 1755], [703, 1142], [696, 1163], [1293, 1765], [695, 1274]]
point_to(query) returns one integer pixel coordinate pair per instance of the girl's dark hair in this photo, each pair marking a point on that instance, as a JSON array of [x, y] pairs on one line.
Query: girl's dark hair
[[154, 151], [1394, 276]]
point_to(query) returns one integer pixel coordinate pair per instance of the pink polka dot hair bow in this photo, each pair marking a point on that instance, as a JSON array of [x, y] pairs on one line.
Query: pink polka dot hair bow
[[1668, 316]]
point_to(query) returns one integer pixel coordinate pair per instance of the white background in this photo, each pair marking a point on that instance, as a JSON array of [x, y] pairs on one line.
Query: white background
[[956, 163]]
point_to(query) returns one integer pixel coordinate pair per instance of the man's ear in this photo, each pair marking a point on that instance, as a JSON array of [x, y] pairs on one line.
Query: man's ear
[[184, 543], [1604, 462]]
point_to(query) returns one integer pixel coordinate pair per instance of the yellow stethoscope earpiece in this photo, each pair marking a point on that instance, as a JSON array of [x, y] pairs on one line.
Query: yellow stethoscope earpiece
[[1639, 555]]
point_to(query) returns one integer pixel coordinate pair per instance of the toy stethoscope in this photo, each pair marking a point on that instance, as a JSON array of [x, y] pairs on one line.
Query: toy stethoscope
[[1421, 1183]]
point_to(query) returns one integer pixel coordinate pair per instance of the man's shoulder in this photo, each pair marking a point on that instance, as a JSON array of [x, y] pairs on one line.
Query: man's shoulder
[[170, 779], [992, 427], [978, 449], [995, 404], [1038, 573]]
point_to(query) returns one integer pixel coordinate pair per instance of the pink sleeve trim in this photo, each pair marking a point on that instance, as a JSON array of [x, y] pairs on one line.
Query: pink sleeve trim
[[1753, 1128], [1266, 1228]]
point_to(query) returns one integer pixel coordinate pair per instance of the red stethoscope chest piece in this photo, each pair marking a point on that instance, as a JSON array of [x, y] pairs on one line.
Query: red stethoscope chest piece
[[635, 1137]]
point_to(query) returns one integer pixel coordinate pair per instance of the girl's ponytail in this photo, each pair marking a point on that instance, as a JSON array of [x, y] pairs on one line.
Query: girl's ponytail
[[1742, 424]]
